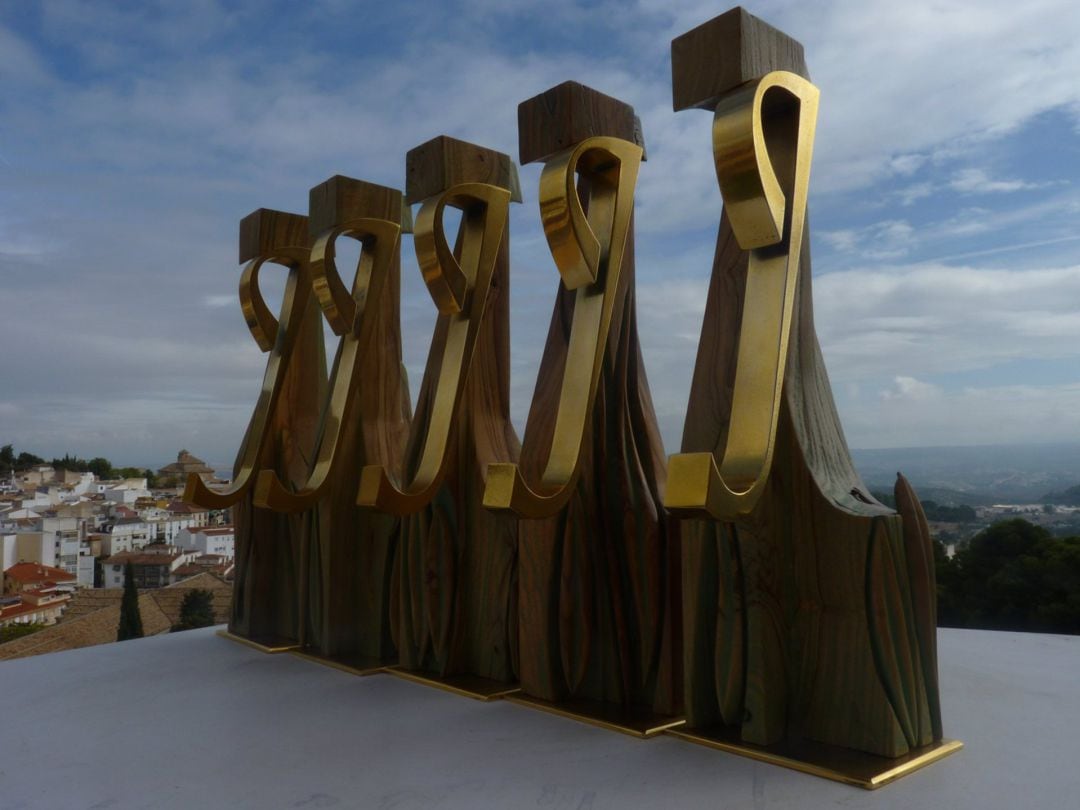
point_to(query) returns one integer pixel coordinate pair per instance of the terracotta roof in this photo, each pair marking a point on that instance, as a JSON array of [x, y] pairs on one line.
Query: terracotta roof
[[179, 507], [216, 531], [24, 607], [159, 608], [185, 463], [139, 558], [35, 572], [193, 569]]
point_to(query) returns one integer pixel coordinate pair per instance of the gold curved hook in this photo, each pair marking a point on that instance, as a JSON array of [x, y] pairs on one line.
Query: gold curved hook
[[278, 336], [349, 317], [459, 286], [588, 250], [259, 319], [763, 141]]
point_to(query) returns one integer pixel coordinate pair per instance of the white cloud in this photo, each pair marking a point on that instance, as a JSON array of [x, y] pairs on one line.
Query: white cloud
[[888, 239], [977, 181], [907, 164], [1006, 414], [909, 389], [909, 195], [938, 319]]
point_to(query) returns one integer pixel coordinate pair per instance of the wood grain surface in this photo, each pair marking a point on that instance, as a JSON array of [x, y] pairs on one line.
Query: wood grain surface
[[455, 610], [812, 618], [268, 593], [354, 551], [568, 114], [600, 580]]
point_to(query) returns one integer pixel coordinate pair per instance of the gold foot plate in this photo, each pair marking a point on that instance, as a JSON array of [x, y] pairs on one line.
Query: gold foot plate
[[352, 663], [262, 644], [828, 761], [636, 722], [472, 686]]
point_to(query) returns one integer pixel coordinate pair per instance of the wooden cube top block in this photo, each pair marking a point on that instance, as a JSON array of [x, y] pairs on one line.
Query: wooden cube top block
[[341, 199], [729, 50], [568, 114], [265, 230], [433, 167]]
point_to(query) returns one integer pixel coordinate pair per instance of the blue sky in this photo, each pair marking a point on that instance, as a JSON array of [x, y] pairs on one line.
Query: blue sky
[[133, 137]]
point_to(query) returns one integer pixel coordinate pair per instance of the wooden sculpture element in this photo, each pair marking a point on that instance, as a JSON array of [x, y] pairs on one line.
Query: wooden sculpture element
[[598, 560], [365, 418], [270, 548], [808, 606], [455, 612]]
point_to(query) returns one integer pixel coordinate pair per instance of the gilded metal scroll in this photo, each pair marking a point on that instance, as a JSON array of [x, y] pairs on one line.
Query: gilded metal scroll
[[763, 140], [588, 251], [276, 336], [460, 291], [345, 311]]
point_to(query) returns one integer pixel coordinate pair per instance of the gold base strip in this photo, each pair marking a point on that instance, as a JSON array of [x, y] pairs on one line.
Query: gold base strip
[[352, 663], [266, 645], [819, 759], [471, 686], [636, 722]]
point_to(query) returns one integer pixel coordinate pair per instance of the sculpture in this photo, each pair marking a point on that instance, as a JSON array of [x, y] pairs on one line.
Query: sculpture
[[751, 582], [808, 606], [271, 548], [598, 577], [454, 616], [365, 417]]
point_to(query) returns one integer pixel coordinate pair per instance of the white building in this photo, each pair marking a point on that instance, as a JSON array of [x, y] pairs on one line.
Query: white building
[[127, 491], [127, 534], [8, 548], [152, 568], [71, 547], [220, 540]]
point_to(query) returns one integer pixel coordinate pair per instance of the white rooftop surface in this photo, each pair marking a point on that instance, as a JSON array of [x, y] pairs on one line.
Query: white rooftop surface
[[192, 720]]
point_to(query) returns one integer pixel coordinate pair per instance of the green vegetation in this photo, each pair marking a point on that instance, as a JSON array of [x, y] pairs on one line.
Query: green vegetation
[[1070, 497], [1012, 576], [936, 512], [23, 461], [130, 618], [101, 467], [949, 514], [14, 631], [197, 610]]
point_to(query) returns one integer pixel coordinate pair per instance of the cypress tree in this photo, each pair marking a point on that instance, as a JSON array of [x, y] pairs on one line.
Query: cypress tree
[[197, 610], [130, 618]]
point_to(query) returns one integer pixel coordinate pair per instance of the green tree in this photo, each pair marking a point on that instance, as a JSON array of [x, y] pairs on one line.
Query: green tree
[[197, 610], [130, 618], [1012, 576], [7, 456], [100, 467], [14, 631], [27, 460]]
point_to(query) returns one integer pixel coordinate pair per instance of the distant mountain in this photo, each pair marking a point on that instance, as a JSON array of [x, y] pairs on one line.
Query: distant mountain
[[1068, 497], [975, 476]]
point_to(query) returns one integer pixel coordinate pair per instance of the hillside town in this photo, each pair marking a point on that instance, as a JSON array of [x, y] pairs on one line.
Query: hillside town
[[67, 538]]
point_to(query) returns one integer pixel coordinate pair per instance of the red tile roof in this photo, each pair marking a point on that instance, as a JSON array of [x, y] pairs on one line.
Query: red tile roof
[[35, 572], [135, 558], [179, 507], [24, 607]]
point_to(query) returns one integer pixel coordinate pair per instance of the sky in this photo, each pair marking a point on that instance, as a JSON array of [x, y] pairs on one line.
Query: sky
[[134, 137]]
